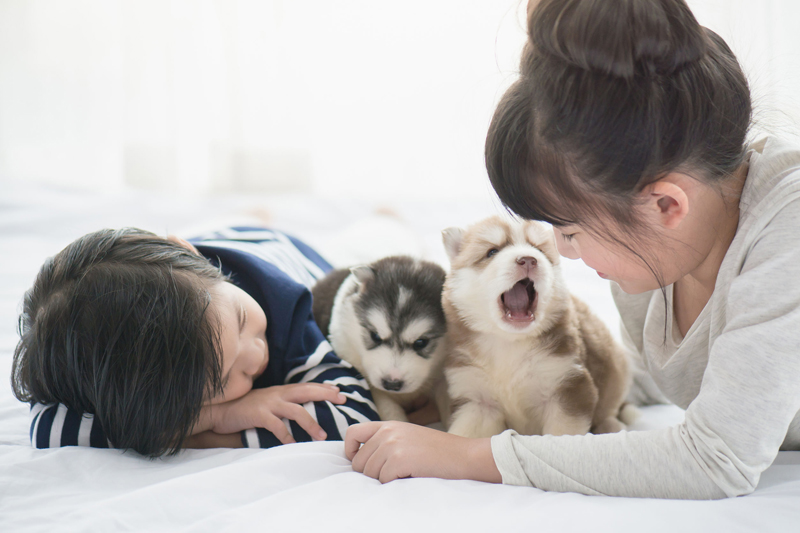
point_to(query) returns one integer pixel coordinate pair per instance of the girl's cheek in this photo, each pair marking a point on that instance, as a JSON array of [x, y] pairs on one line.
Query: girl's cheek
[[566, 249]]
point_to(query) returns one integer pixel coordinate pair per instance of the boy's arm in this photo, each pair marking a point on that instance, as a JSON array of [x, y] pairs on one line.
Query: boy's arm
[[55, 425]]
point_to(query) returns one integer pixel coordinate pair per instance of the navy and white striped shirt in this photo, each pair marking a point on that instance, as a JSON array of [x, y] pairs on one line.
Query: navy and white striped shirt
[[277, 270]]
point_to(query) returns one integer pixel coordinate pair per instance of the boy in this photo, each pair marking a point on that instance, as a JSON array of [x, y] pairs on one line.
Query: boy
[[134, 341]]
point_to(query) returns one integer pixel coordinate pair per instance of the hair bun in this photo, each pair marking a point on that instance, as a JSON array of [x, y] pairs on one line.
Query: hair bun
[[622, 38]]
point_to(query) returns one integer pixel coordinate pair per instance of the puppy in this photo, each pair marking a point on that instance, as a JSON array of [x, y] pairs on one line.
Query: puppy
[[525, 354], [386, 319]]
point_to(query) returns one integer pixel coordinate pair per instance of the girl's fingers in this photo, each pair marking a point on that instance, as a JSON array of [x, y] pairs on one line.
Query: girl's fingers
[[376, 463], [356, 435], [296, 412], [368, 448], [313, 392]]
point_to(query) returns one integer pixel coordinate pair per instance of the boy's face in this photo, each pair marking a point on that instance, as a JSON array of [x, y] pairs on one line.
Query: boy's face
[[243, 328]]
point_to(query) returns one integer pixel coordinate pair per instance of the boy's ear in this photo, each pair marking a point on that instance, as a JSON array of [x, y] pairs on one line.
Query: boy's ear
[[452, 239], [363, 274], [666, 202]]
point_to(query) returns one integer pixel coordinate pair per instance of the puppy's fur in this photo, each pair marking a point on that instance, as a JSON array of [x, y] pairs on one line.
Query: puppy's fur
[[525, 354], [386, 319]]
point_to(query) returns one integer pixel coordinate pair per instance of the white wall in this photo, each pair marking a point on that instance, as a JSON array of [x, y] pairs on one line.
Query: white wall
[[350, 97]]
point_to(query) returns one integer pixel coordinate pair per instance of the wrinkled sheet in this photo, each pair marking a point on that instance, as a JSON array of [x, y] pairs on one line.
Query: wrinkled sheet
[[307, 486]]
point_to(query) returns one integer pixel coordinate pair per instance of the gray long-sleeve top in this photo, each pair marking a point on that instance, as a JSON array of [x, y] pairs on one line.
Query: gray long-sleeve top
[[736, 372]]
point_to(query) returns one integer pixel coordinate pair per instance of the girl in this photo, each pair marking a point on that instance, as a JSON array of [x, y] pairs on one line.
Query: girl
[[627, 132], [134, 341]]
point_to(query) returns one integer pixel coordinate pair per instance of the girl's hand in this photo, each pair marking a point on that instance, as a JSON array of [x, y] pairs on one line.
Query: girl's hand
[[394, 450], [264, 408]]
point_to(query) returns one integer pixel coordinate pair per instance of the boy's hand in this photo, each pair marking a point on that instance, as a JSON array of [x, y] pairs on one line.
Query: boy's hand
[[264, 408], [394, 450]]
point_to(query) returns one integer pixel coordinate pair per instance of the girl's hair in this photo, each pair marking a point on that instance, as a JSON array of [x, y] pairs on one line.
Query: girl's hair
[[613, 95], [118, 325]]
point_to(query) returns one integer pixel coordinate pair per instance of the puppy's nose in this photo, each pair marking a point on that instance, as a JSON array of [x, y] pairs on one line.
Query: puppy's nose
[[392, 384], [526, 261]]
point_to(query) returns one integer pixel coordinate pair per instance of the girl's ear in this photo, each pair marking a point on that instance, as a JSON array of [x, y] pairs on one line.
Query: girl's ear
[[666, 201]]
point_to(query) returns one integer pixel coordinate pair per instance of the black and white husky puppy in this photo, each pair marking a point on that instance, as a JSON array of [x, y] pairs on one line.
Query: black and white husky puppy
[[386, 319]]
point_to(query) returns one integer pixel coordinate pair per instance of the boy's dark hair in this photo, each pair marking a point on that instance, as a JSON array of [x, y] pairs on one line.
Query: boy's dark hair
[[118, 325], [613, 95]]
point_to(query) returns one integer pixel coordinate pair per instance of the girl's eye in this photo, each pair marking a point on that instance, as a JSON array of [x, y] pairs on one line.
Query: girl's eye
[[375, 338], [420, 344], [569, 237], [492, 252]]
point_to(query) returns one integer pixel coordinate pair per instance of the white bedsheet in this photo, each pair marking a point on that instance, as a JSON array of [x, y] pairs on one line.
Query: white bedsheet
[[303, 487]]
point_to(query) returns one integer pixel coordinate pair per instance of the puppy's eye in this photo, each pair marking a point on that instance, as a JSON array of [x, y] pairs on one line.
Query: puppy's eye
[[375, 337], [492, 252], [420, 344]]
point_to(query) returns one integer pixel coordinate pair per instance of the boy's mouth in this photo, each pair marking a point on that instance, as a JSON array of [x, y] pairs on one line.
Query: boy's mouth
[[518, 304]]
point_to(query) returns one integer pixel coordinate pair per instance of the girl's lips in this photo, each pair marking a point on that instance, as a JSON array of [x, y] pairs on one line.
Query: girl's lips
[[602, 275]]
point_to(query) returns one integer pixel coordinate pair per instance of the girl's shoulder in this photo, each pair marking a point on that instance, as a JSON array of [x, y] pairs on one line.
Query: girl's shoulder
[[773, 178]]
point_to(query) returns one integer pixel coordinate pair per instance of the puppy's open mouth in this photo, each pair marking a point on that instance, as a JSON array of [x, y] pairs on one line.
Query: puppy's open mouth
[[519, 303]]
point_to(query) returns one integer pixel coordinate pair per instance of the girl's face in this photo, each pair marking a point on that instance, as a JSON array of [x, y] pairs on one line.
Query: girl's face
[[610, 260], [243, 340]]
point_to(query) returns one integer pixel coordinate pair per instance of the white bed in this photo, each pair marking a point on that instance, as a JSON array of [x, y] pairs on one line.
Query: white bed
[[304, 487]]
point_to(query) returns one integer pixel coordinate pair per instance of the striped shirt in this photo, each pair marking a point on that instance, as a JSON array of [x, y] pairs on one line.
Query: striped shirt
[[277, 270]]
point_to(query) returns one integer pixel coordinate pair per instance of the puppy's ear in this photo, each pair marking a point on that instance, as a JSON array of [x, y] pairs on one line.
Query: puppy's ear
[[452, 238], [363, 274]]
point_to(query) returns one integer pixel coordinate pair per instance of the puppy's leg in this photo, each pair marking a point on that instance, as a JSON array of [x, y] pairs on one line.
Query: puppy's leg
[[476, 419], [475, 411], [388, 409], [570, 410], [611, 424]]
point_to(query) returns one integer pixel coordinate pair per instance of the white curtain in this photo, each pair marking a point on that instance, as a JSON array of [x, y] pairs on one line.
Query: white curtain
[[348, 97]]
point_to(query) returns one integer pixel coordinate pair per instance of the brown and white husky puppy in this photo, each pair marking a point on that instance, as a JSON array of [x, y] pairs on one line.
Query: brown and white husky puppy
[[524, 354]]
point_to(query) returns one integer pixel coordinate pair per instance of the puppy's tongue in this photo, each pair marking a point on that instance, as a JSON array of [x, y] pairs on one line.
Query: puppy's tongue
[[517, 300]]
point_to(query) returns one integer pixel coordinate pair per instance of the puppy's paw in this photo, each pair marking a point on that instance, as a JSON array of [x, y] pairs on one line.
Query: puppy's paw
[[609, 425]]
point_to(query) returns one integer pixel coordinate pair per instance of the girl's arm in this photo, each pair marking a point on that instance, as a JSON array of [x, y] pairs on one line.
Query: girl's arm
[[732, 431]]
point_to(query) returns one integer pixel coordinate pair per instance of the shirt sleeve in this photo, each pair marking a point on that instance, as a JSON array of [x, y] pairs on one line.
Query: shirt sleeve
[[735, 426], [56, 425]]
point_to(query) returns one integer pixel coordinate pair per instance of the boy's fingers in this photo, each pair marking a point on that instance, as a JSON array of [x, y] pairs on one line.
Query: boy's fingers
[[358, 434], [297, 413], [313, 392], [278, 428]]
